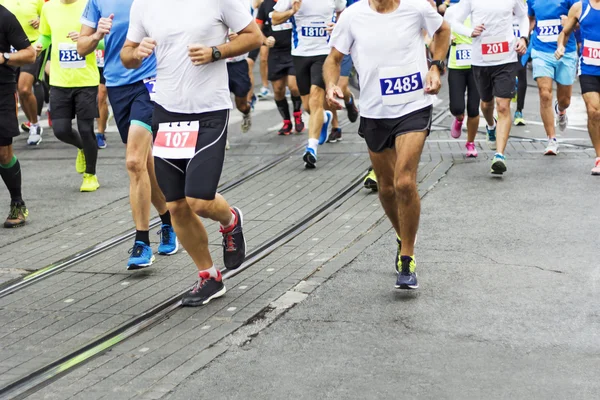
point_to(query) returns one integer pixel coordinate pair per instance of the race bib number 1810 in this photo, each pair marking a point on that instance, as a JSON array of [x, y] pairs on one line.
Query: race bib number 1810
[[314, 31], [176, 140]]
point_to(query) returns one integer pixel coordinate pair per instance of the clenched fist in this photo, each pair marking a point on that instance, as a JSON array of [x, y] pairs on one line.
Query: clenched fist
[[145, 49]]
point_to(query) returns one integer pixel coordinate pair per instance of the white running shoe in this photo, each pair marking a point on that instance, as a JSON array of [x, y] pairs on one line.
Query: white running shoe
[[246, 122], [561, 119], [35, 135], [263, 93], [552, 147]]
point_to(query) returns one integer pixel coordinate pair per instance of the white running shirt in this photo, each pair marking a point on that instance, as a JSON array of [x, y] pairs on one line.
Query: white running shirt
[[388, 51], [180, 86], [496, 46], [309, 37]]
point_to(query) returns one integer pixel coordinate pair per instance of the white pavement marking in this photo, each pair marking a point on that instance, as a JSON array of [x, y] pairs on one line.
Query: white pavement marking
[[243, 287], [205, 327], [69, 300], [270, 269], [144, 349], [124, 283], [232, 309]]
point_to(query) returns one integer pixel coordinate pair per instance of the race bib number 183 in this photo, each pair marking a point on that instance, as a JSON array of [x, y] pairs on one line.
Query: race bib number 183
[[400, 85], [176, 140]]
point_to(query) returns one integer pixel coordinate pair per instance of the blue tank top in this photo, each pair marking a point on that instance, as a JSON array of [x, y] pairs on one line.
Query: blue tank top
[[590, 35]]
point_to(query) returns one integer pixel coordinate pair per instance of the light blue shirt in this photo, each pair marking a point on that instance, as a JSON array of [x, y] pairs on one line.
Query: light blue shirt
[[114, 71]]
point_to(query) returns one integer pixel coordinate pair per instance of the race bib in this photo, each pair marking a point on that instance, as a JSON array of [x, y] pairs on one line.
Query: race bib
[[591, 53], [13, 50], [286, 26], [176, 140], [463, 55], [314, 31], [68, 56], [100, 58], [400, 85], [548, 30], [150, 85], [517, 30], [494, 49]]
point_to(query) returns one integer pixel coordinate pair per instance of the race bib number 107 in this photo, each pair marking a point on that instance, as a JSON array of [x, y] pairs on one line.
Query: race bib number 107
[[176, 140]]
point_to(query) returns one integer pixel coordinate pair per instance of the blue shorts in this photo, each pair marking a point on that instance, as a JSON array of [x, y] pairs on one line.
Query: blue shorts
[[562, 71], [131, 104], [346, 66]]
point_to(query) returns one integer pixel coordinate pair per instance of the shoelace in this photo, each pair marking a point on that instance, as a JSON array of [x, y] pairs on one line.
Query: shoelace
[[14, 211], [136, 250], [199, 285], [229, 242], [165, 234], [405, 267]]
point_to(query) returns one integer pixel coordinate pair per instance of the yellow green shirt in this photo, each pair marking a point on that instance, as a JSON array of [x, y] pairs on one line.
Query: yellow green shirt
[[461, 45], [67, 69], [25, 11]]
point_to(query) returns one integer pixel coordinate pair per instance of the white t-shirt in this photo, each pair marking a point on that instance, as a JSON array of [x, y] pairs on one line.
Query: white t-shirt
[[180, 86], [309, 37], [389, 55], [496, 46]]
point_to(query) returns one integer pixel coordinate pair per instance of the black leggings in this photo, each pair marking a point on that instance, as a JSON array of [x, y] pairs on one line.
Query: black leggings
[[84, 139], [522, 87], [461, 81]]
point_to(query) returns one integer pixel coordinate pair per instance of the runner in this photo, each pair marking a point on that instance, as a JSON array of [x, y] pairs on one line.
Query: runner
[[28, 14], [263, 68], [460, 82], [12, 36], [312, 20], [130, 94], [587, 14], [190, 119], [521, 86], [102, 121], [281, 66], [74, 85], [494, 62], [396, 106], [547, 69], [240, 84]]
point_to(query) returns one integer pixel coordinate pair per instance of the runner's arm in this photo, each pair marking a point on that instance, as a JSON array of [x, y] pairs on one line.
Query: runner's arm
[[282, 12], [17, 38], [520, 11], [44, 41], [332, 68], [87, 42], [456, 15], [247, 39], [569, 27]]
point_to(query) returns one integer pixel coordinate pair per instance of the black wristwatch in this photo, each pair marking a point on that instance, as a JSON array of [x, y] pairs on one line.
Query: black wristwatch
[[216, 54], [440, 64]]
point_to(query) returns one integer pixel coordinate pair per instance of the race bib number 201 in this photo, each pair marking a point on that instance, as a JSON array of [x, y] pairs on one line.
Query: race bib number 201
[[400, 85], [494, 49], [591, 53], [176, 140]]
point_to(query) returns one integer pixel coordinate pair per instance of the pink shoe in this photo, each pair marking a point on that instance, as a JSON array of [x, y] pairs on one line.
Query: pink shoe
[[456, 129], [596, 169], [471, 150]]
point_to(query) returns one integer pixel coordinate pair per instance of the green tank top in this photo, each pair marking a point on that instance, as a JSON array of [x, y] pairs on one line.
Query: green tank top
[[460, 52]]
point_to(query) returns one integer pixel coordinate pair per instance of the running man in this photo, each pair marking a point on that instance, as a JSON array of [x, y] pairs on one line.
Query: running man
[[547, 17], [494, 62], [587, 14], [28, 14], [313, 19], [190, 119], [74, 85], [130, 94], [386, 41], [102, 120], [461, 81], [281, 67], [521, 86], [239, 85], [12, 36]]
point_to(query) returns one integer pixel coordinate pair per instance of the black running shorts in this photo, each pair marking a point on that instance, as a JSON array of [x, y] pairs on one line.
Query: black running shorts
[[496, 81], [239, 78], [253, 55], [70, 102], [9, 125], [281, 65], [589, 83], [35, 68], [381, 134], [199, 176], [309, 72]]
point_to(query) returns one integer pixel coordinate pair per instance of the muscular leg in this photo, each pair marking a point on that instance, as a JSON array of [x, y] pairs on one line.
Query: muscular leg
[[546, 108], [27, 98], [138, 154], [251, 73], [592, 103], [242, 105], [504, 124], [563, 95], [264, 66], [317, 105], [487, 109], [157, 197], [472, 127], [102, 108], [384, 165]]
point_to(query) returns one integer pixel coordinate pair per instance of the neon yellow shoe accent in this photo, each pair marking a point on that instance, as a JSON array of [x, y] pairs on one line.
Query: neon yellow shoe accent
[[80, 162], [370, 181], [90, 183], [413, 263]]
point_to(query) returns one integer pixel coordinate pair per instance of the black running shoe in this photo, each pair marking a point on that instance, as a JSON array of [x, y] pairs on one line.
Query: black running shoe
[[298, 121], [234, 242], [352, 110], [206, 289], [286, 129], [336, 135], [310, 159], [407, 278]]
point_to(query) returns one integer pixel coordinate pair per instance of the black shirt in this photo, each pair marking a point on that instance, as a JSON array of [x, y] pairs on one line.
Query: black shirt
[[11, 34], [282, 33]]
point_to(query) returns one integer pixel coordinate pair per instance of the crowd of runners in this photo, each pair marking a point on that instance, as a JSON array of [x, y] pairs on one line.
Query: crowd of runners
[[167, 74]]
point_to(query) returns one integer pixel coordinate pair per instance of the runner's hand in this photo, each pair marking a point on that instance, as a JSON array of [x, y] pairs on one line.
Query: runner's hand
[[35, 23], [73, 36], [145, 49], [478, 30], [330, 26], [38, 49], [104, 27], [333, 95], [232, 36], [433, 82], [270, 42], [521, 47], [563, 20], [560, 52], [200, 54], [296, 4]]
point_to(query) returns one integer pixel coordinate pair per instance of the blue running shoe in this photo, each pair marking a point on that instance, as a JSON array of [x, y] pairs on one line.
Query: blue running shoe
[[310, 158], [491, 137], [168, 241], [407, 278], [141, 256], [101, 139], [325, 132]]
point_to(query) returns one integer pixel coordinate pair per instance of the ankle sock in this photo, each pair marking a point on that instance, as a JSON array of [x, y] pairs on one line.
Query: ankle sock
[[313, 144], [231, 222], [142, 236], [166, 218], [212, 272]]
